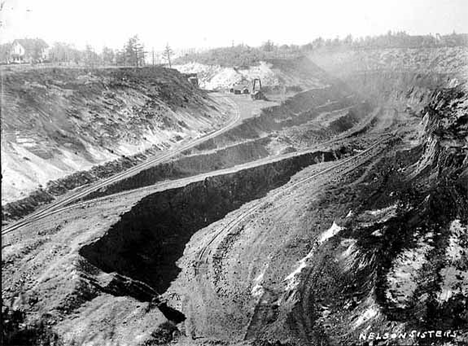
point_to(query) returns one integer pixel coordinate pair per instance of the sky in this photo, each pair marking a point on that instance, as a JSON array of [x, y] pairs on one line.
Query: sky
[[219, 23]]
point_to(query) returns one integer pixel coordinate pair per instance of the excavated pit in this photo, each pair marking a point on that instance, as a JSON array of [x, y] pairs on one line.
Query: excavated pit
[[295, 111], [141, 250], [149, 239], [252, 140], [244, 143], [189, 166]]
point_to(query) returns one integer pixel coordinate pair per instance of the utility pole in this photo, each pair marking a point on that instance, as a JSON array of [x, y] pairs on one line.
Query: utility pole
[[152, 52]]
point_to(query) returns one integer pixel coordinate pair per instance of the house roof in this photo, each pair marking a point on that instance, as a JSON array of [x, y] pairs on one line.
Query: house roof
[[30, 44]]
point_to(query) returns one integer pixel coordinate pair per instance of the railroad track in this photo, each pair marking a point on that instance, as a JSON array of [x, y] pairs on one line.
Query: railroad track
[[63, 203]]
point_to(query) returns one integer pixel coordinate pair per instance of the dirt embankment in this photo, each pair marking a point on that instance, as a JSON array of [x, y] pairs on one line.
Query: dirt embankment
[[257, 138], [378, 249], [151, 237], [399, 257], [291, 126], [120, 111], [56, 122], [393, 262], [134, 260]]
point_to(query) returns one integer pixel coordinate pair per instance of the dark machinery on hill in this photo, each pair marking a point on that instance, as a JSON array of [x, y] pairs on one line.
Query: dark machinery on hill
[[192, 78], [257, 93]]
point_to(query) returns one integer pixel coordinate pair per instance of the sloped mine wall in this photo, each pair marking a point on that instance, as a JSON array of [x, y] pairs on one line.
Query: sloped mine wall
[[148, 240]]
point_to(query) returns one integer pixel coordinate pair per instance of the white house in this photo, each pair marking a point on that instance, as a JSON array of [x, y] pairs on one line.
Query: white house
[[28, 51]]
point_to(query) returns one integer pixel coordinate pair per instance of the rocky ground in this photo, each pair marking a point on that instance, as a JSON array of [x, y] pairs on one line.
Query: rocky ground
[[335, 217]]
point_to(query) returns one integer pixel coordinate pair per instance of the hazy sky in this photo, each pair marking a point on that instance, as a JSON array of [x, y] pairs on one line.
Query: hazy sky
[[211, 23]]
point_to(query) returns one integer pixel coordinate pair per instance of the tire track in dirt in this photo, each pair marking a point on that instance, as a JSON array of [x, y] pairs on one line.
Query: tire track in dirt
[[352, 132], [208, 270], [262, 309]]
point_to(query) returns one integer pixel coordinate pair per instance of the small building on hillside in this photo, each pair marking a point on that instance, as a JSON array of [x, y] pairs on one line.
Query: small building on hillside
[[28, 50]]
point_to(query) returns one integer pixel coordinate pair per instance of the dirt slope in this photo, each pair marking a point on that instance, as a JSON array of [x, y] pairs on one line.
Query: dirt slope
[[59, 121], [329, 219], [370, 249]]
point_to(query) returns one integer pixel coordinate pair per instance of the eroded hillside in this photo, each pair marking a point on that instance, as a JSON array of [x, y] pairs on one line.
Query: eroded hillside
[[59, 121]]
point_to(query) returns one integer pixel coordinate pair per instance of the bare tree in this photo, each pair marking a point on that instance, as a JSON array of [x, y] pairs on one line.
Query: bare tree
[[140, 53], [168, 52]]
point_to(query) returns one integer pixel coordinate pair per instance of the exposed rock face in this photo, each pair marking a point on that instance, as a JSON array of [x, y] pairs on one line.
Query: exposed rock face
[[446, 123], [405, 245], [421, 276]]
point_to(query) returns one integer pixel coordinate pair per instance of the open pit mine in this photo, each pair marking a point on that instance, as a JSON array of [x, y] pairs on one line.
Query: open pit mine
[[140, 209]]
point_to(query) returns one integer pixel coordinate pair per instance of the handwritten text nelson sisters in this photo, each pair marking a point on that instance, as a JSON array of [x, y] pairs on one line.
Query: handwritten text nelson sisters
[[414, 334]]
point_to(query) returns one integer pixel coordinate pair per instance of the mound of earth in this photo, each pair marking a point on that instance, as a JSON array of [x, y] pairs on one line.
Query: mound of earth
[[59, 121], [275, 74]]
